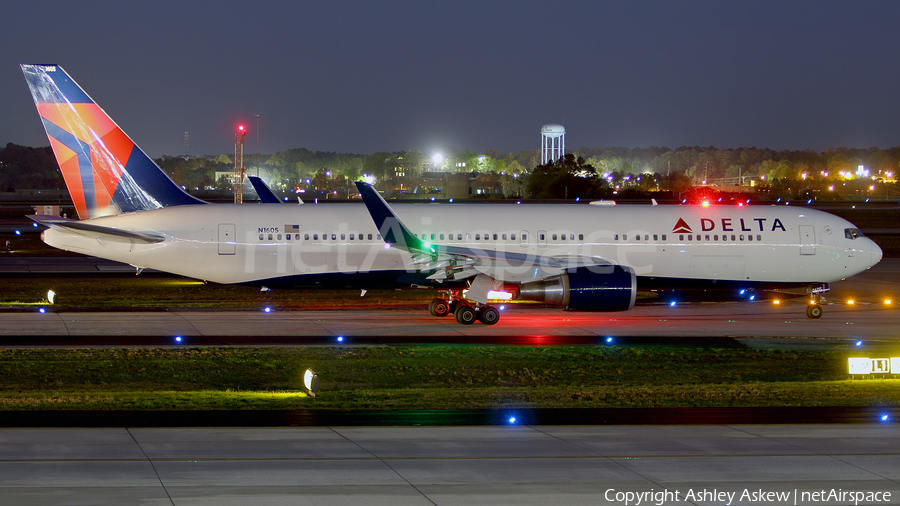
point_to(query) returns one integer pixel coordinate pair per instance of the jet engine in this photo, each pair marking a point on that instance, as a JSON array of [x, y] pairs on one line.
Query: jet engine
[[603, 288]]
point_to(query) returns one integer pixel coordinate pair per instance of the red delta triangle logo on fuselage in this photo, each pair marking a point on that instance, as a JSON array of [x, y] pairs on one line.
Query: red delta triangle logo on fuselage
[[682, 227], [730, 225]]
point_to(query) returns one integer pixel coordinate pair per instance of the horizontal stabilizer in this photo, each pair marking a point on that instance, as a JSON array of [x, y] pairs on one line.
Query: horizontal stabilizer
[[266, 195], [97, 231]]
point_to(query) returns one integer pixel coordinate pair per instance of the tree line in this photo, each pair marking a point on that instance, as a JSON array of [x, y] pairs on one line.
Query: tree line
[[590, 170]]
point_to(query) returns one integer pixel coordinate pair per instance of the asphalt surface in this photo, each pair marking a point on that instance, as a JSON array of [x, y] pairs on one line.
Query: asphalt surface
[[516, 465]]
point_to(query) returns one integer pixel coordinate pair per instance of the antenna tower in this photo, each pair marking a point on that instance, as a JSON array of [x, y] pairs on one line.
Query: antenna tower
[[239, 164]]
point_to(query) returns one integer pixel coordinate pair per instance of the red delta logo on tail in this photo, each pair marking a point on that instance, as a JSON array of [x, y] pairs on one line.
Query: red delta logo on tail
[[682, 227], [105, 172]]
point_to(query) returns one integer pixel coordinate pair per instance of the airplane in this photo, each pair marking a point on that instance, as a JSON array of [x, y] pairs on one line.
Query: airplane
[[581, 257]]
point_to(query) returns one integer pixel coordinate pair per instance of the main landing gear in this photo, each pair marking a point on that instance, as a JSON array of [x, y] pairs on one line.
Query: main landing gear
[[465, 312]]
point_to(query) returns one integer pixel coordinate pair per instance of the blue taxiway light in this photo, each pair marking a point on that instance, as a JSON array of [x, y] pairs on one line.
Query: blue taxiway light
[[42, 310], [609, 339], [512, 420], [18, 233], [502, 307], [340, 339], [753, 297], [267, 310], [859, 343], [672, 304], [177, 339], [885, 418]]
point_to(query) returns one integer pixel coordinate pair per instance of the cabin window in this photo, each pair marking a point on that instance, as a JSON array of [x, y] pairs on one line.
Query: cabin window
[[270, 237], [690, 237], [707, 237], [495, 237], [296, 237], [732, 238], [616, 237], [580, 237], [655, 237], [749, 237], [512, 237], [442, 237], [541, 237], [305, 237], [664, 237], [315, 237], [637, 237], [742, 237], [287, 236], [681, 237], [553, 237], [459, 237], [759, 238], [260, 237]]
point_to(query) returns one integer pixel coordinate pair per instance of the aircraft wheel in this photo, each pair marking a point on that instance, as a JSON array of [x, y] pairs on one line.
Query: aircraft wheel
[[439, 307], [814, 311], [465, 314], [489, 315]]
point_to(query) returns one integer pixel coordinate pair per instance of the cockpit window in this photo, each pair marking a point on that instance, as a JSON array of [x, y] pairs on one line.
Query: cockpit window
[[852, 233]]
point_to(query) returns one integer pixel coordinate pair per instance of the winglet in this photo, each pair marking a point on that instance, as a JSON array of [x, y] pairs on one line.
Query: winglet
[[389, 225], [266, 195]]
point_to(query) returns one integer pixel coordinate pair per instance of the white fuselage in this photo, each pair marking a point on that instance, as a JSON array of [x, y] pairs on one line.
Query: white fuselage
[[258, 242]]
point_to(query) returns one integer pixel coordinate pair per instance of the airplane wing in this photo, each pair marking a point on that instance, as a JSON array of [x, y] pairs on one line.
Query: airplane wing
[[398, 235], [97, 231], [266, 195], [461, 262]]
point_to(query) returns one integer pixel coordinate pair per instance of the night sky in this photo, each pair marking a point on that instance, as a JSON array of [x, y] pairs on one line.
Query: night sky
[[359, 77]]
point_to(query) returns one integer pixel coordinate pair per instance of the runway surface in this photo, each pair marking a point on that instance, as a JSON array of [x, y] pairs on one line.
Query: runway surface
[[867, 318], [516, 465]]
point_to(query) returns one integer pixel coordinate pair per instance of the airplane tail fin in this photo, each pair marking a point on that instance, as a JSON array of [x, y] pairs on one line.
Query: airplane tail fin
[[105, 171]]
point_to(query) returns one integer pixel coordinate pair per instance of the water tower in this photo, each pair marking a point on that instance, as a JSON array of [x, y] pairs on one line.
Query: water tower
[[553, 143]]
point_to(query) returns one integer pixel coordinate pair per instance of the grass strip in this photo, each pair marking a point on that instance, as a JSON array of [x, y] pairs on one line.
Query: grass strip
[[431, 377]]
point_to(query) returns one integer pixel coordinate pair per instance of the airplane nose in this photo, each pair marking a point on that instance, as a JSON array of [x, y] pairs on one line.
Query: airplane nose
[[874, 252]]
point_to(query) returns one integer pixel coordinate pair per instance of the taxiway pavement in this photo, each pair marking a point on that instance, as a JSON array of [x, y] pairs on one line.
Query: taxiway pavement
[[868, 317], [515, 465]]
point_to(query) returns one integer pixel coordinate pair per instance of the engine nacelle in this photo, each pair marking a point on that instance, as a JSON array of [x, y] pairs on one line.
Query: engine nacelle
[[593, 288]]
